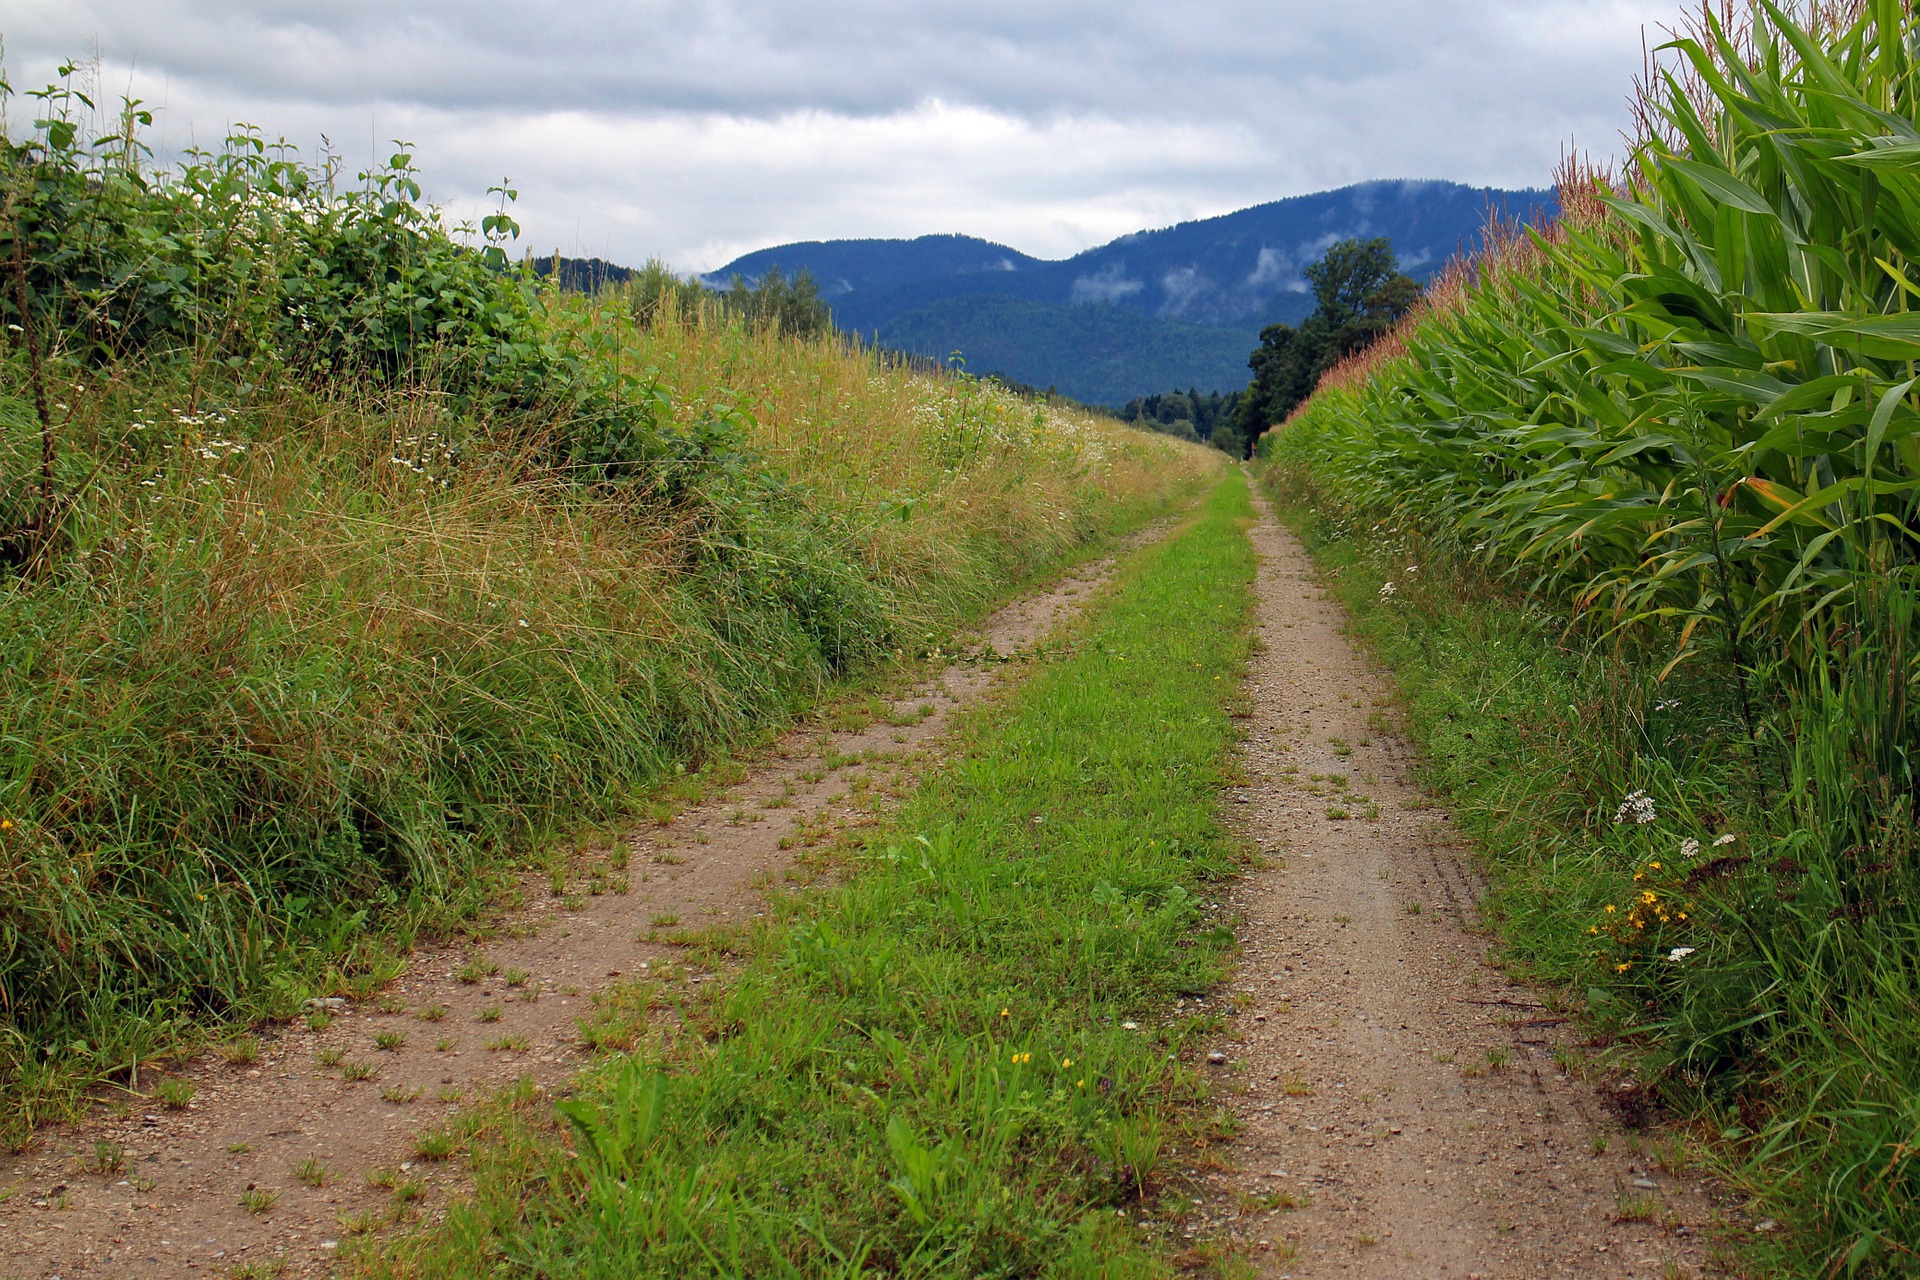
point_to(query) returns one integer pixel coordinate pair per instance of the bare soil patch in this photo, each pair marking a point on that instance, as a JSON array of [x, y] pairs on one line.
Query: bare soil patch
[[168, 1198], [1387, 1078]]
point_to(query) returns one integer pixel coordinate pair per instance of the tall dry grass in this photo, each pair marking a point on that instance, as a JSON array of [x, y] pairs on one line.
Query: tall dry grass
[[316, 665]]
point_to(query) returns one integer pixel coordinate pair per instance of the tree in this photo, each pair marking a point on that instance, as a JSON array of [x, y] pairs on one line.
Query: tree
[[1359, 295]]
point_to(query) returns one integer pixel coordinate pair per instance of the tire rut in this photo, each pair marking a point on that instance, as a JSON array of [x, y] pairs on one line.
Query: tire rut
[[1388, 1079]]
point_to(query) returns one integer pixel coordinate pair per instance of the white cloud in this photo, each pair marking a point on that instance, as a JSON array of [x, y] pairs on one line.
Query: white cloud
[[700, 128]]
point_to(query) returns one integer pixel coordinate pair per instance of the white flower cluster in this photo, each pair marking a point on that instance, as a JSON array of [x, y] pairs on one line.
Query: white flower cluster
[[1387, 591], [216, 449], [1637, 808], [430, 455], [194, 421], [1690, 848]]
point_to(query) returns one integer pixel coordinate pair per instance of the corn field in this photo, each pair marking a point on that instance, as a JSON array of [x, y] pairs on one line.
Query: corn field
[[1685, 422], [1695, 398]]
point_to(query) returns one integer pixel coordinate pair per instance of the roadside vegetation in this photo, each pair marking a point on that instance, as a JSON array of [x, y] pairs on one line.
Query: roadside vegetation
[[343, 566], [1630, 504], [964, 1051]]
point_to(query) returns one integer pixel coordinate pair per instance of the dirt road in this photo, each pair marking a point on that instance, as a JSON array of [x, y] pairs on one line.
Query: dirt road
[[167, 1201], [1383, 1072]]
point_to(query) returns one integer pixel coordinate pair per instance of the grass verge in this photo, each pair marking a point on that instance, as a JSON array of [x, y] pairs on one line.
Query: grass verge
[[963, 1060]]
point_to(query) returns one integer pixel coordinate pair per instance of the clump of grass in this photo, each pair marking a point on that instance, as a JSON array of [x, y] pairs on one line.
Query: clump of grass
[[174, 1093], [241, 1051], [491, 1013], [356, 1071], [476, 971], [258, 1200], [390, 1040], [313, 1172], [1634, 1206], [108, 1159], [435, 1144]]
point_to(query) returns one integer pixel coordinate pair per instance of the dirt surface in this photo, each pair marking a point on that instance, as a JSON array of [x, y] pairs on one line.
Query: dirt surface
[[172, 1206], [1384, 1074]]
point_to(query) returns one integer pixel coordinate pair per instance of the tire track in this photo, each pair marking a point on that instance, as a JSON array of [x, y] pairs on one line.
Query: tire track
[[1389, 1081]]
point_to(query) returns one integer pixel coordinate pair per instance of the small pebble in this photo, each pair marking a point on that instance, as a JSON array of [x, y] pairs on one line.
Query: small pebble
[[1217, 1058]]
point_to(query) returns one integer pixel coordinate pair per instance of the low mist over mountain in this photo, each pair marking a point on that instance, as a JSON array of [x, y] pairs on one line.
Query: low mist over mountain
[[1177, 307]]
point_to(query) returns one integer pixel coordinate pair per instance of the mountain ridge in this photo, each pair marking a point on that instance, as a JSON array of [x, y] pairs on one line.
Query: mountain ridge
[[1237, 272]]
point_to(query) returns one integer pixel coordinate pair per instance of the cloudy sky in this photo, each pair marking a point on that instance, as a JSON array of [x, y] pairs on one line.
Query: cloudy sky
[[695, 130]]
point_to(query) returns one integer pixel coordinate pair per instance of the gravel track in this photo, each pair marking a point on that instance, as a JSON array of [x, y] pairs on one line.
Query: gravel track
[[1383, 1072]]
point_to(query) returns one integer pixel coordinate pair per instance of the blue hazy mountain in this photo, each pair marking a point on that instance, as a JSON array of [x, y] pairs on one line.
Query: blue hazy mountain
[[1182, 306]]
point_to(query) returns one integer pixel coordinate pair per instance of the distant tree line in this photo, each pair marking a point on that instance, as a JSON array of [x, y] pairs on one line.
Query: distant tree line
[[792, 304], [1213, 417], [1046, 395], [1360, 295]]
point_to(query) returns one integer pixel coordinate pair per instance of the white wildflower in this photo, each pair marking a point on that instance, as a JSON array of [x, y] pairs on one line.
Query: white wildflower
[[1667, 704], [1724, 840], [1637, 808], [1689, 847], [1387, 591], [1679, 953], [525, 623], [1129, 1026]]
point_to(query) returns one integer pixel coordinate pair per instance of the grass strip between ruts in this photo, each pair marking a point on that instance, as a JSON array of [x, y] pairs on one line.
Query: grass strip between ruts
[[961, 1061]]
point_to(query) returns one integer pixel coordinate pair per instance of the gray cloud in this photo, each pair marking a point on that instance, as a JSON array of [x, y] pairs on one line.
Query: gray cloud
[[700, 128]]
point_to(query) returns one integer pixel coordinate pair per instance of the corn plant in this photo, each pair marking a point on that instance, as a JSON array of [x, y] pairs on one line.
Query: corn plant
[[1696, 400]]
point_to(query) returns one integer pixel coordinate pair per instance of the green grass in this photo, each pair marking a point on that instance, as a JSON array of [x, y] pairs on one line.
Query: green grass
[[925, 1070]]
